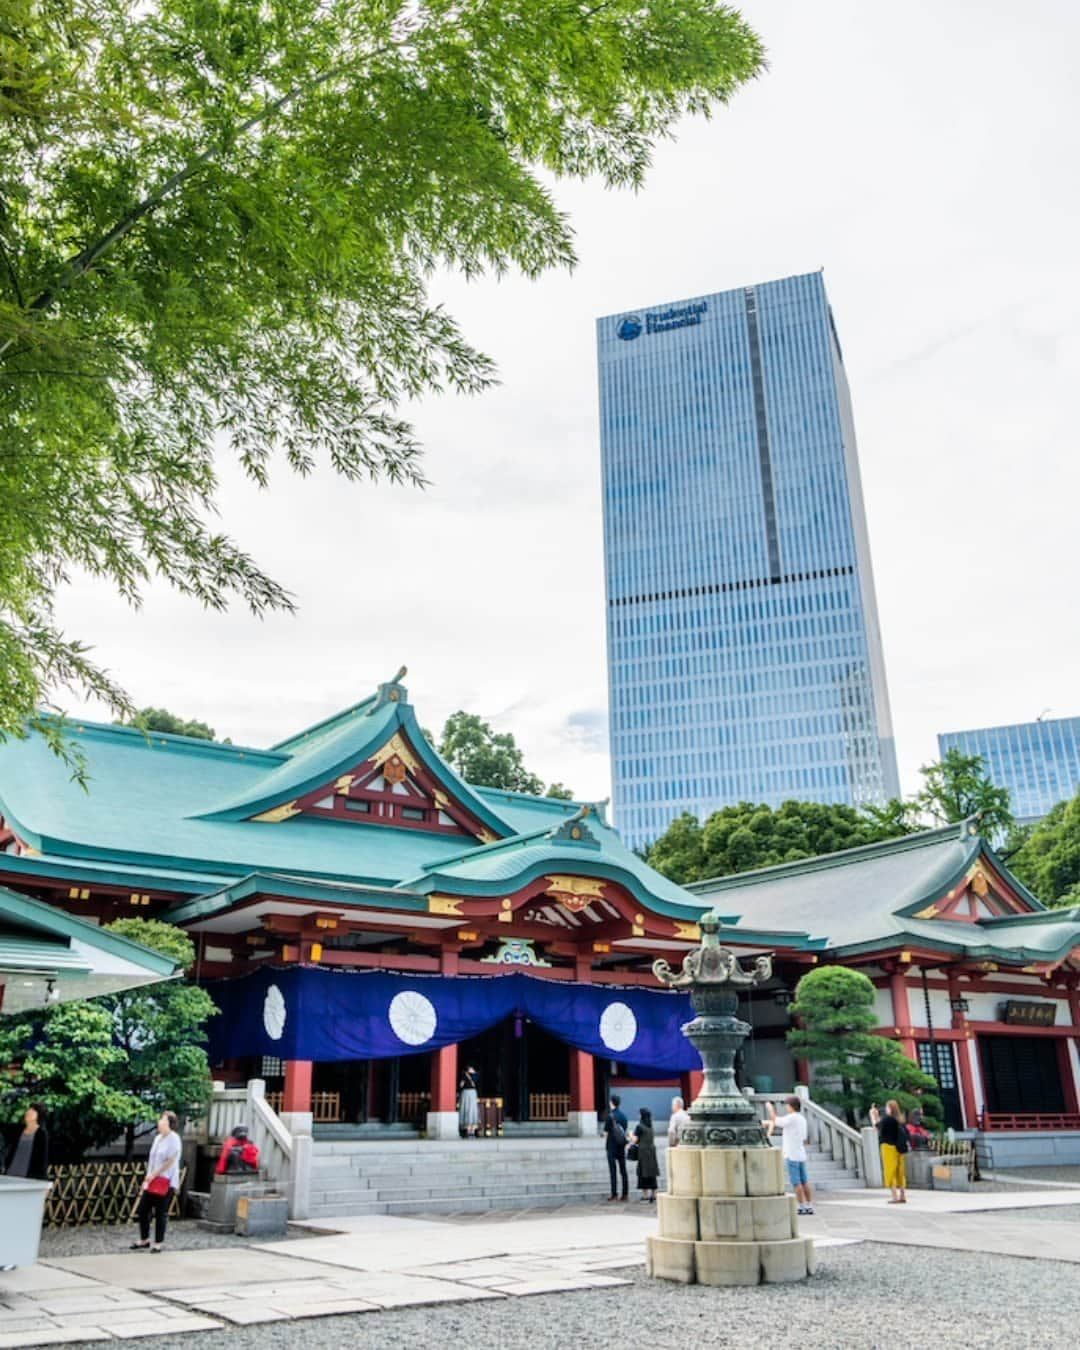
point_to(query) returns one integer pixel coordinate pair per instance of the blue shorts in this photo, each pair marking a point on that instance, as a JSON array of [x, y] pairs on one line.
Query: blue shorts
[[797, 1173]]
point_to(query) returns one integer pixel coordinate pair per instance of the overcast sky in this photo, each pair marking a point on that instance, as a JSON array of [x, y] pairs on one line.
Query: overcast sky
[[925, 156]]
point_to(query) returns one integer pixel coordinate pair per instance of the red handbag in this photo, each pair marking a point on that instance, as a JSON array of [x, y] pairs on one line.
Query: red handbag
[[159, 1186]]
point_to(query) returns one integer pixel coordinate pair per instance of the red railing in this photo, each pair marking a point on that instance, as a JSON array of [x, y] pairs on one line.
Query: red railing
[[1029, 1120]]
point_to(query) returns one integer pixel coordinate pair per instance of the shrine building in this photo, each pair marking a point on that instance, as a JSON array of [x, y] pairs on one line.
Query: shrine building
[[369, 924]]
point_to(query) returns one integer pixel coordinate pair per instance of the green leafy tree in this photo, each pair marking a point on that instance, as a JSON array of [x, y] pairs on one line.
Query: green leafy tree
[[160, 719], [679, 853], [958, 787], [895, 818], [218, 222], [853, 1068], [67, 1059], [1048, 859], [743, 837], [489, 758], [161, 1029]]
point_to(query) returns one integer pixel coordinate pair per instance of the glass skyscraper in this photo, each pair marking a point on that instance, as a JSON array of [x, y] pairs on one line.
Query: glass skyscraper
[[744, 657], [1039, 762]]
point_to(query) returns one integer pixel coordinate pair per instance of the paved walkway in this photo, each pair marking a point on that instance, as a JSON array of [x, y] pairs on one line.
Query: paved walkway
[[377, 1262]]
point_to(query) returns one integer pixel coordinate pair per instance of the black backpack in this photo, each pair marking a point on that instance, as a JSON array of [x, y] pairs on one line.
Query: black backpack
[[618, 1134]]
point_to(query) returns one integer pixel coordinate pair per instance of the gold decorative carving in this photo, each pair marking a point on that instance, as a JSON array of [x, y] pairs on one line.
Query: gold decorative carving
[[344, 783], [590, 886], [687, 932], [442, 801], [506, 916], [637, 930], [278, 813], [980, 883], [395, 746], [445, 904], [394, 770], [486, 837], [930, 912]]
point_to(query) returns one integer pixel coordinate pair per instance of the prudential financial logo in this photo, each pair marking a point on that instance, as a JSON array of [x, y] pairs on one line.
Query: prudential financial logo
[[630, 328], [662, 320]]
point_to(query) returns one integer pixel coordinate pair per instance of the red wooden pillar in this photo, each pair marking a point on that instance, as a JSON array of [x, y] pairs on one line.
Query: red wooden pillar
[[962, 1052], [802, 1072], [902, 1013], [444, 1078], [690, 1084], [297, 1094], [582, 1081]]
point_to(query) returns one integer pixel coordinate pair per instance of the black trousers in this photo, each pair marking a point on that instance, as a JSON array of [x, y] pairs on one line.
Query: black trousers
[[617, 1158], [158, 1206]]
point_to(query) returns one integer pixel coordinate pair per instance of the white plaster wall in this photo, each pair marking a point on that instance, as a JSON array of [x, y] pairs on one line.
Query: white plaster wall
[[883, 1007]]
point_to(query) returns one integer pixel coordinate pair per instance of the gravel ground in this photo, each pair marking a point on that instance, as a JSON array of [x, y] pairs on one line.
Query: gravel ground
[[182, 1235], [863, 1296]]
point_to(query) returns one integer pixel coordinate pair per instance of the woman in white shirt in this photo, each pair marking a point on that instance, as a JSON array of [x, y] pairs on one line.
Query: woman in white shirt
[[162, 1179]]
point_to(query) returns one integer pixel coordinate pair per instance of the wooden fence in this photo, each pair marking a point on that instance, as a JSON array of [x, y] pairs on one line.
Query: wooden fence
[[98, 1193], [325, 1106], [413, 1108], [549, 1105]]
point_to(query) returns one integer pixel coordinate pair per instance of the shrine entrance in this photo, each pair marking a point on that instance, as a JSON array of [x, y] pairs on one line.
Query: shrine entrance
[[529, 1069]]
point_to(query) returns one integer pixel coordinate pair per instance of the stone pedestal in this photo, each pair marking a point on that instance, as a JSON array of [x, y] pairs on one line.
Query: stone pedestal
[[442, 1125], [727, 1221], [226, 1191]]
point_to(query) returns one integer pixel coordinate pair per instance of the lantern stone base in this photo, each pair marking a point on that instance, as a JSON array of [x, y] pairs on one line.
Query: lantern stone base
[[727, 1221]]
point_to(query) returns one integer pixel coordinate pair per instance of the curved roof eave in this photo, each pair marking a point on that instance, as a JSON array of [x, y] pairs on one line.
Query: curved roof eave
[[373, 729]]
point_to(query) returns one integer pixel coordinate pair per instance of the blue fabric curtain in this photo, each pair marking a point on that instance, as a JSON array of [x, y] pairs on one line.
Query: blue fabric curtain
[[300, 1013]]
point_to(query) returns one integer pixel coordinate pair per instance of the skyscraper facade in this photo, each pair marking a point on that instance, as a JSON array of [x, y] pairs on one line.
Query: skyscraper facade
[[1039, 762], [744, 656]]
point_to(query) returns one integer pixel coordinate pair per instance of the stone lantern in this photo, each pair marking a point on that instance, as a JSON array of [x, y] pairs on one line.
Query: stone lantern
[[726, 1219]]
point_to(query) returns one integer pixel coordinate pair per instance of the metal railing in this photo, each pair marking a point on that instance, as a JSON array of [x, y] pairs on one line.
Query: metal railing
[[549, 1105], [832, 1136]]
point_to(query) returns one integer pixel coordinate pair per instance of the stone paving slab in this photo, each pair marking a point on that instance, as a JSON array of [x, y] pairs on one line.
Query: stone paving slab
[[53, 1336], [201, 1267]]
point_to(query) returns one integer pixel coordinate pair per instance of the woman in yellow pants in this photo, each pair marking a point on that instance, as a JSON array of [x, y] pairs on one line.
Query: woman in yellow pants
[[892, 1135]]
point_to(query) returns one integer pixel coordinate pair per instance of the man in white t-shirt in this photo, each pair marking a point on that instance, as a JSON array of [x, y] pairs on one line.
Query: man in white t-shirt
[[794, 1128]]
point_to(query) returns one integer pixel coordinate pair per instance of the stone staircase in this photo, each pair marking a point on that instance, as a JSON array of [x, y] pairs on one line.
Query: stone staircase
[[827, 1175], [355, 1177]]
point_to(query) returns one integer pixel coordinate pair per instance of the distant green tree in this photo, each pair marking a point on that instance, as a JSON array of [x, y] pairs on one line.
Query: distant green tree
[[741, 838], [895, 818], [160, 719], [489, 758], [958, 787], [679, 853], [853, 1068], [1048, 859], [162, 1031], [66, 1058]]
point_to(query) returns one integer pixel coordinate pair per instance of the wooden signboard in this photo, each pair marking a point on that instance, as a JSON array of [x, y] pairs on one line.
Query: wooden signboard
[[1021, 1013]]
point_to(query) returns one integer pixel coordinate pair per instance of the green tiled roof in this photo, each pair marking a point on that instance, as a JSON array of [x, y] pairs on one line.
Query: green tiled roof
[[39, 943], [172, 813], [865, 899]]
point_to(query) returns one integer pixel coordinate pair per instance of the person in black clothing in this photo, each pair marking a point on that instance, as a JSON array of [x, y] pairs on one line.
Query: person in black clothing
[[893, 1141], [615, 1124], [30, 1156]]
